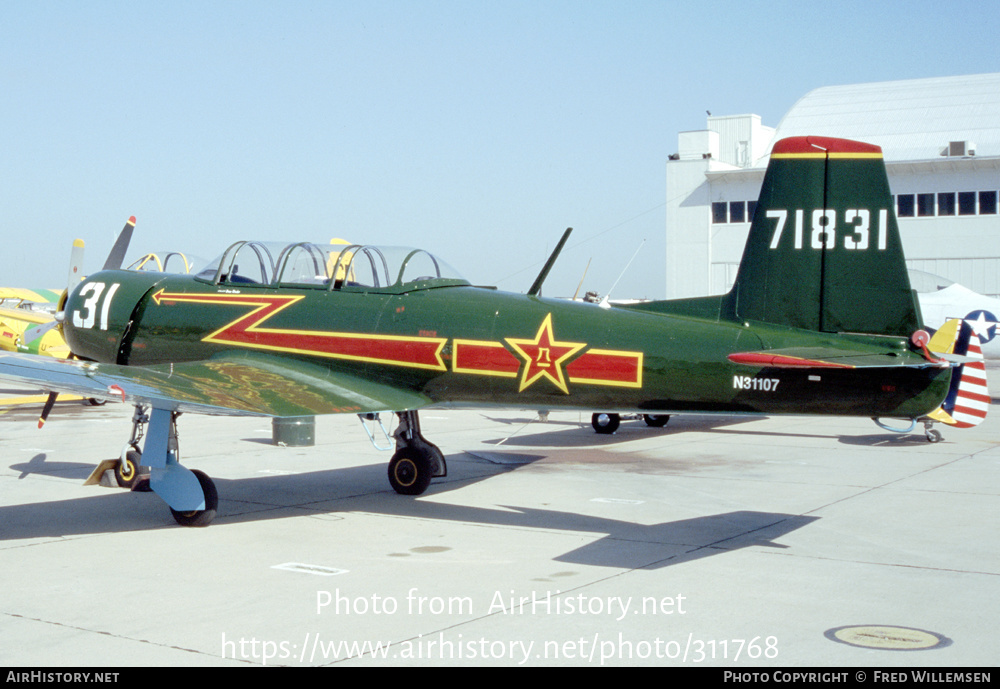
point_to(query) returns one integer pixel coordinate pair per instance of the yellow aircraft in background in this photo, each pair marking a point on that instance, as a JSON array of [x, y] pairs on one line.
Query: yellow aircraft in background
[[32, 332], [29, 328]]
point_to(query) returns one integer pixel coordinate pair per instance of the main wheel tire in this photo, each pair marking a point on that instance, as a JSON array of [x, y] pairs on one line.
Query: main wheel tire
[[410, 471], [200, 517], [127, 472], [656, 420], [605, 423]]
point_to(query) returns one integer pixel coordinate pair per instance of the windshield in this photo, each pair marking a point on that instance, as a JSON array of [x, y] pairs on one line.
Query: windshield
[[334, 266]]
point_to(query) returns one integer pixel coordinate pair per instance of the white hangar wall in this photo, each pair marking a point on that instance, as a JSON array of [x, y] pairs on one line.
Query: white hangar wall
[[941, 141]]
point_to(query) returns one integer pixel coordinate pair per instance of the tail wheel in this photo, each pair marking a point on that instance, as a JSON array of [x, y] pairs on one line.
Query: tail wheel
[[200, 517], [605, 423], [410, 471], [127, 471], [656, 420]]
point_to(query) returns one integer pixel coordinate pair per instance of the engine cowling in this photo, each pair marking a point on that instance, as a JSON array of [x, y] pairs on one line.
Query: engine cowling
[[97, 314]]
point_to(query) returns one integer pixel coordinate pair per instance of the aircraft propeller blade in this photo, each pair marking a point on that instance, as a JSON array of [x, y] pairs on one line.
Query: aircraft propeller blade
[[47, 408], [118, 251], [75, 264]]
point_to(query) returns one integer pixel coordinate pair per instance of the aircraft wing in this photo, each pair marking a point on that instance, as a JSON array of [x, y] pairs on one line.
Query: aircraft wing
[[228, 386], [25, 316], [829, 357], [38, 296]]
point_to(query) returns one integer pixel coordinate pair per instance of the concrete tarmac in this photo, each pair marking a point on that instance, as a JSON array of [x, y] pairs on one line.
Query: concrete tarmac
[[731, 542]]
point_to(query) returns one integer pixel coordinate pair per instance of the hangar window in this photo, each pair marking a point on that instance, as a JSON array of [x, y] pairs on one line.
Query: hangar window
[[987, 203], [904, 206], [966, 203], [737, 211], [751, 207], [719, 212], [925, 205], [946, 203]]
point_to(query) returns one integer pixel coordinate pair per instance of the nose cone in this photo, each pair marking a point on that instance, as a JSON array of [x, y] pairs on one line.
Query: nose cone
[[98, 311]]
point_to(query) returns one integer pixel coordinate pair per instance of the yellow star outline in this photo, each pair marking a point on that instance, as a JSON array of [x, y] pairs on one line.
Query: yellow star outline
[[544, 356]]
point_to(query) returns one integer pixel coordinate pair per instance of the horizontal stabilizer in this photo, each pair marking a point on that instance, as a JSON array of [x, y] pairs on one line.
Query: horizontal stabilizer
[[828, 357]]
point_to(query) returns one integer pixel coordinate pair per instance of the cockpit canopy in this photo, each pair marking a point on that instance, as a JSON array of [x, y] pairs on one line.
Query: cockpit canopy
[[334, 266]]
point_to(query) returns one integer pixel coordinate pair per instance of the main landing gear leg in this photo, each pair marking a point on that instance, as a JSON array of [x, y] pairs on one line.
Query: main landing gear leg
[[416, 460], [191, 495]]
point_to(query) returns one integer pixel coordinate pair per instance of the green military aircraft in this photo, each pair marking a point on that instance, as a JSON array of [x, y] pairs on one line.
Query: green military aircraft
[[821, 320]]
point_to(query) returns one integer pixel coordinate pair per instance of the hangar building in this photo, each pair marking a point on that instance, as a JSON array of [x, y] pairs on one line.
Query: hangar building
[[941, 142]]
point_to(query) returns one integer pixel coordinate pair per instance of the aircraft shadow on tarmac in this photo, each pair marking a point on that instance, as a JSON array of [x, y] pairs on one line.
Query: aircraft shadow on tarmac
[[39, 464], [337, 493], [575, 434], [569, 434]]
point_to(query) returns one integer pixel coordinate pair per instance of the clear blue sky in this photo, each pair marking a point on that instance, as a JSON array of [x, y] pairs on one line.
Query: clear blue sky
[[477, 130]]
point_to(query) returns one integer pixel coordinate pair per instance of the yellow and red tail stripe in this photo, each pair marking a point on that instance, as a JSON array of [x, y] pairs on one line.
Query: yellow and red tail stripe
[[810, 147]]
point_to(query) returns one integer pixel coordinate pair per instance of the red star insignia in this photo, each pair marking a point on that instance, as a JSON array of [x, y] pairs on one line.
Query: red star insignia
[[544, 356]]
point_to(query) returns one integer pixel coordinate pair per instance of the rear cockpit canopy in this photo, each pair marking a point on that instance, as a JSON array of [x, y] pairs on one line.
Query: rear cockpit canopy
[[349, 267]]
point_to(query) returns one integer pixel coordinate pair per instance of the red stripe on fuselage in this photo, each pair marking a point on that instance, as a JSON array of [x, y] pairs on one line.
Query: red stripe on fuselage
[[607, 368], [484, 358]]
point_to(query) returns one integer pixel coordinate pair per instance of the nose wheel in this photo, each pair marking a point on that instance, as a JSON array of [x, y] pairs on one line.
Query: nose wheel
[[127, 470]]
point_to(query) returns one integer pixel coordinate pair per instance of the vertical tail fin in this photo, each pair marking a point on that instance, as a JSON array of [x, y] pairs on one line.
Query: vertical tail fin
[[824, 251]]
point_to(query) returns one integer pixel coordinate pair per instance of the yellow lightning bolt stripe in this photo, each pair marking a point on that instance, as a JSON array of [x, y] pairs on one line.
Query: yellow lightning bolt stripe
[[246, 331]]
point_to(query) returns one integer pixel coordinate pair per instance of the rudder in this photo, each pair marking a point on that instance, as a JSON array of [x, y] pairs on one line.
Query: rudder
[[968, 398]]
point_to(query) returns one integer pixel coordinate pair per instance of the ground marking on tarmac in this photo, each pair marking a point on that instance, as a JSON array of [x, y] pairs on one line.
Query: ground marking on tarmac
[[310, 569], [887, 637], [618, 501]]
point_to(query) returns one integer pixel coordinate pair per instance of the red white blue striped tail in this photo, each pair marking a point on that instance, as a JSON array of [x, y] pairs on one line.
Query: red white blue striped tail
[[968, 400]]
